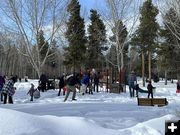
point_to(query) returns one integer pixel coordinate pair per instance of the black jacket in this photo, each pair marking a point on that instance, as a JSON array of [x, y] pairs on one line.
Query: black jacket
[[73, 80], [150, 87], [61, 81], [43, 78]]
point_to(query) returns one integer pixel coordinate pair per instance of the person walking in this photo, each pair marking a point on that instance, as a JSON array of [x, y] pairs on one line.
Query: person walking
[[72, 82], [132, 80], [8, 90]]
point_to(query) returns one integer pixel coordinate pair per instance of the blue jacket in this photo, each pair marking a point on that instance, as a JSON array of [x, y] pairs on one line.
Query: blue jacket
[[85, 80]]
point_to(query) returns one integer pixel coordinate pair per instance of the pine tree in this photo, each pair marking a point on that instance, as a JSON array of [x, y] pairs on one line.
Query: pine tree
[[147, 33], [42, 44], [96, 38], [75, 52], [169, 54]]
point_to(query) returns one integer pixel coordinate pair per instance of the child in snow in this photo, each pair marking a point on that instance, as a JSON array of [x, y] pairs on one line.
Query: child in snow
[[137, 89], [31, 92], [150, 89]]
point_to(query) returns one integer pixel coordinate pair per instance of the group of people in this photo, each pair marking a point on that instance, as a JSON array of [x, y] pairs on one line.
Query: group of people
[[134, 86], [7, 89], [86, 82]]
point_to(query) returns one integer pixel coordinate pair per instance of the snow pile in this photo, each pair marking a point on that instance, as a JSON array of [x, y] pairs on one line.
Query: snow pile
[[18, 123]]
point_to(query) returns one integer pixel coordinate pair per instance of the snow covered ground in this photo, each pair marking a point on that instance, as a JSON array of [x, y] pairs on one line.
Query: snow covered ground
[[98, 114]]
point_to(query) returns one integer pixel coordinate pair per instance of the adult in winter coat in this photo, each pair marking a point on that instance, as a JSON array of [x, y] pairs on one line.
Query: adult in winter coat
[[2, 82], [132, 80], [90, 83], [31, 92], [43, 81], [84, 83], [61, 84], [72, 82], [96, 82], [8, 90], [150, 89]]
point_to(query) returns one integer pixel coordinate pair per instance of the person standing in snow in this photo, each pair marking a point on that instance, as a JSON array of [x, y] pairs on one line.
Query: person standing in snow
[[90, 83], [2, 82], [43, 81], [72, 82], [96, 82], [132, 80], [150, 89], [84, 82], [61, 84], [31, 92], [8, 90]]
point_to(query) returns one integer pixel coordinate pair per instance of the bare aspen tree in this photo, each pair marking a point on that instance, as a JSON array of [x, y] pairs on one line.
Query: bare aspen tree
[[28, 18], [126, 11]]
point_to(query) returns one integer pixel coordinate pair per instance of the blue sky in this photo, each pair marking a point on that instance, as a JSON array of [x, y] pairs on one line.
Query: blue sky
[[88, 4]]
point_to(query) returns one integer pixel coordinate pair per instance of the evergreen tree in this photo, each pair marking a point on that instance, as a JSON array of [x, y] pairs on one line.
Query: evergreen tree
[[75, 52], [147, 33], [169, 53], [42, 45], [97, 38]]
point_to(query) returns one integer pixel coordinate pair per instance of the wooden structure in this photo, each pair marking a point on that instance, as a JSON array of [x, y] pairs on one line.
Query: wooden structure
[[152, 101], [113, 80], [117, 88]]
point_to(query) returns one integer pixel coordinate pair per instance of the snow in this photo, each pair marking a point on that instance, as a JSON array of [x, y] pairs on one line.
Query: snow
[[98, 114]]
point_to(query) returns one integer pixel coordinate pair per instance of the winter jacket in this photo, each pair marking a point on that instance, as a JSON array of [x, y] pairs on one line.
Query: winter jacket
[[61, 81], [73, 80], [8, 88], [150, 87], [85, 80], [43, 78], [31, 91], [178, 85], [132, 79], [2, 82], [96, 79]]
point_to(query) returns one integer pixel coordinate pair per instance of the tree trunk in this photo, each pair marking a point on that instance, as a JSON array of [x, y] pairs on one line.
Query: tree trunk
[[165, 77], [143, 79], [122, 60], [149, 65]]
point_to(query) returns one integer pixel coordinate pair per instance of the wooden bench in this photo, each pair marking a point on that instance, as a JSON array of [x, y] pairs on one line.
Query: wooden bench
[[152, 101]]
